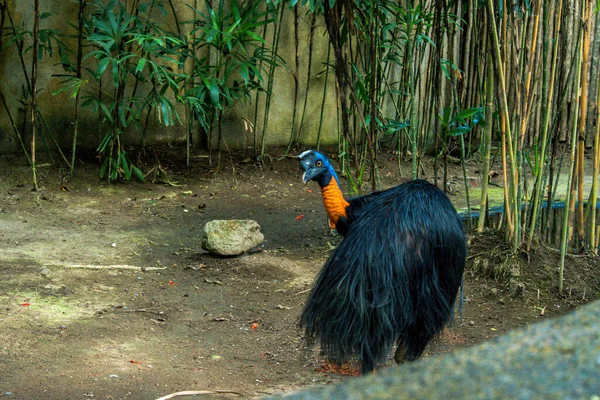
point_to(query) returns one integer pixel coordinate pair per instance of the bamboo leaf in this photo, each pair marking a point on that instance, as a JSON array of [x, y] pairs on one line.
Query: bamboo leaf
[[104, 143], [469, 113], [102, 64], [140, 65], [125, 165], [115, 73], [122, 116], [138, 173], [445, 117], [460, 130], [445, 71], [214, 93], [103, 167]]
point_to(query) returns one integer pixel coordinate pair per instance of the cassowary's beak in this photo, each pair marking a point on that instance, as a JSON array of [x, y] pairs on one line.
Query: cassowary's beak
[[309, 172], [304, 179]]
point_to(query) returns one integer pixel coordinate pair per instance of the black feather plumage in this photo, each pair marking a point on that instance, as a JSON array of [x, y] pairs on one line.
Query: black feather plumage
[[392, 280]]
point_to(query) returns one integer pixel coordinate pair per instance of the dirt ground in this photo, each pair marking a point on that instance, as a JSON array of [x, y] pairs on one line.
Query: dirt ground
[[105, 292]]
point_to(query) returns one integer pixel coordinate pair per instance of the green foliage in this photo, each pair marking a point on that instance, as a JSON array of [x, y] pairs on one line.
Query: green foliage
[[229, 59], [314, 5], [126, 48], [51, 41], [462, 122], [386, 35], [136, 71]]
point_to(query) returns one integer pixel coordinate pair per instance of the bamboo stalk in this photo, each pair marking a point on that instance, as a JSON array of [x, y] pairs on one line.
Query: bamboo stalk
[[374, 69], [19, 44], [548, 110], [296, 75], [14, 126], [322, 113], [487, 142], [586, 11], [311, 37], [269, 93], [509, 139], [532, 54], [593, 198], [413, 131], [3, 8], [34, 65], [569, 200]]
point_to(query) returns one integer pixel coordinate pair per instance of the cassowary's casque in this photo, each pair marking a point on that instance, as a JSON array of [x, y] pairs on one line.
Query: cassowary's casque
[[394, 277]]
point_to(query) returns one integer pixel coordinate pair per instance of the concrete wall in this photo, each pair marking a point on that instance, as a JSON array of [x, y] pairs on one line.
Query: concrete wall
[[58, 111]]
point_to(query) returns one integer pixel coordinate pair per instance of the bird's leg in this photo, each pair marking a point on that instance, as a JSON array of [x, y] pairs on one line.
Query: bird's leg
[[399, 354]]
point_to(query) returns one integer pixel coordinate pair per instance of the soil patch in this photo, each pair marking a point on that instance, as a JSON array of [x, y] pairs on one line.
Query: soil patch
[[106, 293]]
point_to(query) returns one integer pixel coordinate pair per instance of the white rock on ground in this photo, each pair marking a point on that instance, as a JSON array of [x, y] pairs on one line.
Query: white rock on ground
[[231, 237]]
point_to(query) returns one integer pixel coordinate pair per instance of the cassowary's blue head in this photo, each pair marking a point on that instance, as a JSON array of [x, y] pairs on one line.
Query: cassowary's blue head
[[317, 167]]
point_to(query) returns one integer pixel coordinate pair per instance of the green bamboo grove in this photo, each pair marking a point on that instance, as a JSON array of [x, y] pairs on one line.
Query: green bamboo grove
[[484, 82]]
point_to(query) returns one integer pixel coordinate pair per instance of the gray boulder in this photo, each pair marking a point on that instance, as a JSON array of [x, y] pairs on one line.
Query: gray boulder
[[554, 359], [231, 237]]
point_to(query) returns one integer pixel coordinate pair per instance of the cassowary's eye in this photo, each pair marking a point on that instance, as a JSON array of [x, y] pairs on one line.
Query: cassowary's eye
[[319, 163]]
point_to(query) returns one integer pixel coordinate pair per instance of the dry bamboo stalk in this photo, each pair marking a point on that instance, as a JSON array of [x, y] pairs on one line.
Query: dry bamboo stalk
[[564, 242], [593, 198], [594, 190], [533, 47], [586, 11], [507, 130], [545, 129]]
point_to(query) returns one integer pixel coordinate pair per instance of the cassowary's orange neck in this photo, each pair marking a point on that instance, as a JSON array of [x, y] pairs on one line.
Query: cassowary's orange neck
[[335, 204]]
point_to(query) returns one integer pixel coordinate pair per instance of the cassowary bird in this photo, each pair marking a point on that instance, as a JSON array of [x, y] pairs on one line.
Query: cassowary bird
[[393, 279]]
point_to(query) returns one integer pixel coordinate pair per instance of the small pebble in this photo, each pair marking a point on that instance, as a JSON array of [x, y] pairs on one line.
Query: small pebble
[[471, 322]]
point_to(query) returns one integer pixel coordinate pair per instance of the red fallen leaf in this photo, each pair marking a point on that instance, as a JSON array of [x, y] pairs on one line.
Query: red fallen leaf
[[172, 283], [135, 362], [308, 191], [299, 217], [26, 304], [254, 326], [347, 369]]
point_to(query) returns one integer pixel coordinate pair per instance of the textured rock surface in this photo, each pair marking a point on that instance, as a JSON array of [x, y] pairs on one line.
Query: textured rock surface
[[231, 237], [556, 359]]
